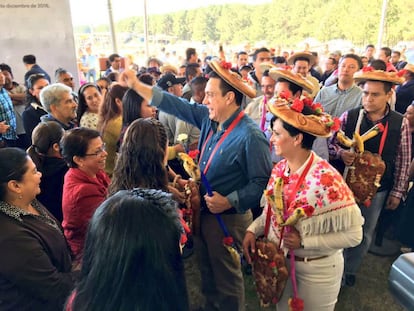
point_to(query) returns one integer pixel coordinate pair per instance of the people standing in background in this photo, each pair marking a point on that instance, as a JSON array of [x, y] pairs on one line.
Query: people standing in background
[[90, 101], [45, 153], [9, 137], [34, 109], [17, 95], [88, 64], [32, 68], [114, 61]]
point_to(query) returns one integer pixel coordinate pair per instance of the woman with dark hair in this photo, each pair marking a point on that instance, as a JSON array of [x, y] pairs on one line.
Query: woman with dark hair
[[35, 265], [45, 153], [134, 107], [110, 123], [316, 216], [124, 247], [142, 159], [142, 162], [85, 185], [34, 109], [90, 100]]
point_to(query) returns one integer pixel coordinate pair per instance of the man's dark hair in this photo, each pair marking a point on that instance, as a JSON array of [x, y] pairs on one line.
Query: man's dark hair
[[241, 53], [113, 56], [387, 51], [334, 62], [191, 71], [198, 81], [353, 56], [279, 60], [225, 88], [294, 88], [397, 52], [378, 64], [29, 59], [5, 67], [263, 49], [306, 59], [189, 52], [369, 46]]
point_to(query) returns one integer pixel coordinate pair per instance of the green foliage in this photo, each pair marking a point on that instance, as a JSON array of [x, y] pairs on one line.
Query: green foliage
[[283, 22]]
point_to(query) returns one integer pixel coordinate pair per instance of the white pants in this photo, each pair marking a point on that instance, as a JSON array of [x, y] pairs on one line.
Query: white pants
[[318, 281]]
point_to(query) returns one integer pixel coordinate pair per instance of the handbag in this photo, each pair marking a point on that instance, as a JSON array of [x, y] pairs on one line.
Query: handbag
[[269, 268], [364, 176]]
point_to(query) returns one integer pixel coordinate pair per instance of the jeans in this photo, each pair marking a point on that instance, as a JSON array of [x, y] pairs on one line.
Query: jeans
[[354, 255]]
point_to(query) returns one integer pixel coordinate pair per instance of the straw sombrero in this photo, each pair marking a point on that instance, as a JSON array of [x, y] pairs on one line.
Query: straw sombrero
[[232, 78]]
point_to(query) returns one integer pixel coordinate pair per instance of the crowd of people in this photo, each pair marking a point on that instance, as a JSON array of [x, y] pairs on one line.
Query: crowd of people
[[97, 210]]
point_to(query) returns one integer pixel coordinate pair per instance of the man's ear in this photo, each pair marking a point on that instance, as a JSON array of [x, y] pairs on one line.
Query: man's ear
[[230, 97]]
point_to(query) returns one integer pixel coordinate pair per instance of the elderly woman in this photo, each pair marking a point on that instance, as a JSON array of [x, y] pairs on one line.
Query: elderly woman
[[45, 153], [85, 185], [35, 265], [311, 188], [90, 101]]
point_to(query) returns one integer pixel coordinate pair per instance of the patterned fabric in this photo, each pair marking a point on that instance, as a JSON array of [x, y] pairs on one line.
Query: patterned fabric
[[323, 191], [7, 114], [17, 213], [89, 120]]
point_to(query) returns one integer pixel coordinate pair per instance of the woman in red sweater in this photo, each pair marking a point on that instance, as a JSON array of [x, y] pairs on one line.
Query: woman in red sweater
[[85, 185]]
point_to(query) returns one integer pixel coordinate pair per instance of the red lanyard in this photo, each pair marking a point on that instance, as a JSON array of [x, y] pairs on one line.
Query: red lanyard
[[383, 137], [299, 182], [222, 138]]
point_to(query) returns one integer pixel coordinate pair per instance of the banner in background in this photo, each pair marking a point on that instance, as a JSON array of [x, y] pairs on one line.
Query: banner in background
[[42, 28]]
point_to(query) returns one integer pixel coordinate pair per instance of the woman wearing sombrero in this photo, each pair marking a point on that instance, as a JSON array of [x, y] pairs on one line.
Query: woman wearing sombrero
[[309, 212]]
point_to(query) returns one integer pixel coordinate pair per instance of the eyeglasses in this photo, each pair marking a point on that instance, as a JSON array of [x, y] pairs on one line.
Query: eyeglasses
[[101, 150]]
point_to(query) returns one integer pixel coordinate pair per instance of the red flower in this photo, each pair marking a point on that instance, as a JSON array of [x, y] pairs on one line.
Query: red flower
[[317, 107], [297, 105], [225, 65], [336, 124], [194, 154], [228, 240], [401, 73], [272, 264], [333, 195], [380, 127], [296, 304], [367, 69], [308, 209], [327, 179], [289, 68], [308, 102], [285, 94], [367, 203]]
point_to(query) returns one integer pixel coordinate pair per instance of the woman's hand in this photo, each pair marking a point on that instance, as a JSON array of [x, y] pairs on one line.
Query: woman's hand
[[249, 245], [177, 195], [291, 239]]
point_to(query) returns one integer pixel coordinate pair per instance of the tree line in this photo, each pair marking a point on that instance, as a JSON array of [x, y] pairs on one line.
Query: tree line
[[281, 22]]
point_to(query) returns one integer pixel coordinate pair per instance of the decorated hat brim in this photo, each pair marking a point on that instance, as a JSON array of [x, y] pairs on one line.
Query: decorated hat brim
[[233, 79], [310, 124], [276, 73], [378, 75]]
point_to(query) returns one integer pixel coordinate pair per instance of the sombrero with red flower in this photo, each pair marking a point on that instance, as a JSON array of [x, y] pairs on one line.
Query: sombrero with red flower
[[290, 111], [377, 75], [232, 78], [299, 80]]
